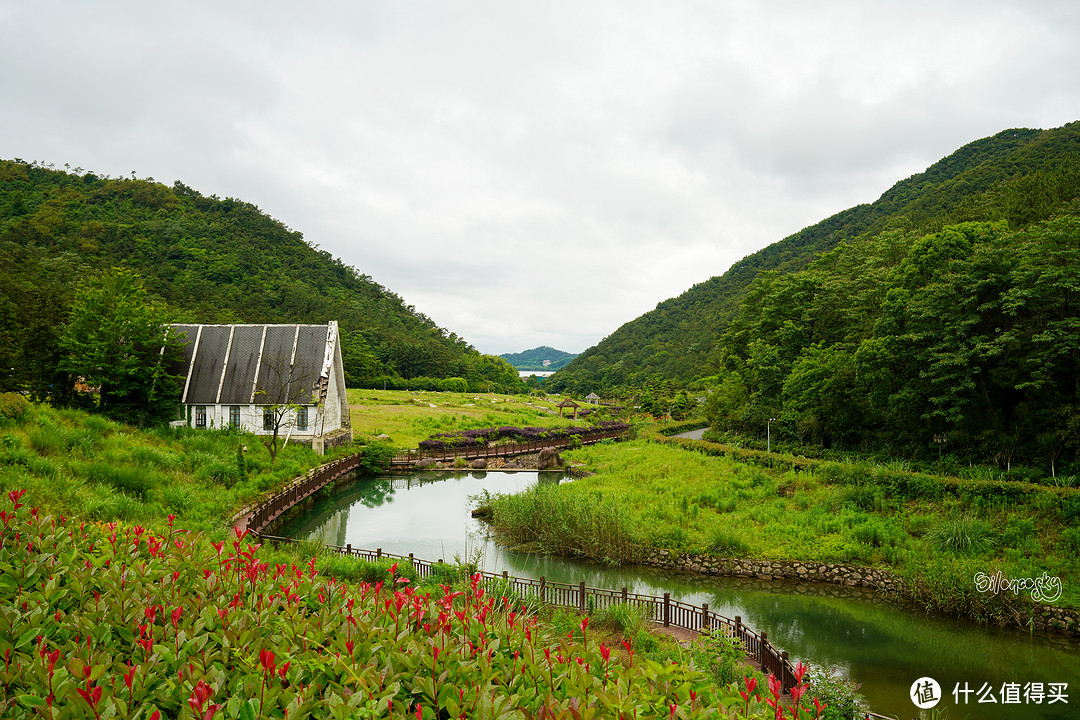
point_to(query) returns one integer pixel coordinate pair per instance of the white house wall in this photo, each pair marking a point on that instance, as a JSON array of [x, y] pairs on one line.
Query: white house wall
[[251, 420]]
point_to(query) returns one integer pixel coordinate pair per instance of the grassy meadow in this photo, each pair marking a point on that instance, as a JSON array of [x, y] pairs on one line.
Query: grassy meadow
[[936, 533], [411, 416]]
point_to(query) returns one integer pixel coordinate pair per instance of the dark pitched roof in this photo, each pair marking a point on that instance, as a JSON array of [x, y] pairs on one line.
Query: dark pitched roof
[[260, 364]]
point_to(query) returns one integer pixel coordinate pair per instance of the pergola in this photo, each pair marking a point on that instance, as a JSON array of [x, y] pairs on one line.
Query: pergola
[[568, 403]]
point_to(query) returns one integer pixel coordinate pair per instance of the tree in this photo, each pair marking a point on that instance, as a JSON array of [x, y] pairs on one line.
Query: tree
[[285, 392], [116, 340]]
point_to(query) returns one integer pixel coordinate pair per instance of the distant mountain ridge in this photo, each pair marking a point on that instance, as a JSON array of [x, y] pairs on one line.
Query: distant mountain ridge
[[541, 359]]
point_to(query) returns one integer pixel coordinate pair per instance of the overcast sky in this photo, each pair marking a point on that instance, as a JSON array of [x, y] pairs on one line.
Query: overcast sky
[[531, 173]]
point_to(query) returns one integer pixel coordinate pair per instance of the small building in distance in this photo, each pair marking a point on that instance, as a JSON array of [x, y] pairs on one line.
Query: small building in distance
[[262, 378], [593, 398]]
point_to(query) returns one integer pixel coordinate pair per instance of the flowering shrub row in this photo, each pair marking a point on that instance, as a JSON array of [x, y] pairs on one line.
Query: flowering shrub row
[[101, 621], [480, 437]]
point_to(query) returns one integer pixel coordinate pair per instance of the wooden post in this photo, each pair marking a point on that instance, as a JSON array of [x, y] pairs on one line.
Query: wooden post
[[504, 574], [581, 596], [705, 616], [667, 609], [624, 596], [784, 685], [543, 585], [764, 649], [348, 548], [378, 553]]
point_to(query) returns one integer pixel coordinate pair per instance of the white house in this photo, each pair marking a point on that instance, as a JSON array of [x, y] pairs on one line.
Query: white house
[[256, 377]]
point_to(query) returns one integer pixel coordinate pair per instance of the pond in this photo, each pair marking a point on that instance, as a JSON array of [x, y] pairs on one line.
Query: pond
[[884, 647]]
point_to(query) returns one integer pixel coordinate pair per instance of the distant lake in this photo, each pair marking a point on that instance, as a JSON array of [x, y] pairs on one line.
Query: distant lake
[[537, 373]]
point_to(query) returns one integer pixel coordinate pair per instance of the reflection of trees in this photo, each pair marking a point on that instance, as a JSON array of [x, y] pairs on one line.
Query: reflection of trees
[[551, 477], [370, 493]]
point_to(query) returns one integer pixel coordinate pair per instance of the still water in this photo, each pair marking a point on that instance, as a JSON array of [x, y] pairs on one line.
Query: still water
[[882, 646]]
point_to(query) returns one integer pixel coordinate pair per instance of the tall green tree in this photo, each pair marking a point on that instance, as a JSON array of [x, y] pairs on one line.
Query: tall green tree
[[116, 340]]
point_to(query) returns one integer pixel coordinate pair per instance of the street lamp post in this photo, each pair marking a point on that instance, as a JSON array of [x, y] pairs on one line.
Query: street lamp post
[[768, 433]]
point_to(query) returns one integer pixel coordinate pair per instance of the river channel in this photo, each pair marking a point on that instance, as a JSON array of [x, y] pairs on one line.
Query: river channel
[[884, 647]]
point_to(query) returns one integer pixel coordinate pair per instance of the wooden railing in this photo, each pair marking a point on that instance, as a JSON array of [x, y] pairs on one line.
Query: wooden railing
[[503, 450], [300, 489], [662, 610]]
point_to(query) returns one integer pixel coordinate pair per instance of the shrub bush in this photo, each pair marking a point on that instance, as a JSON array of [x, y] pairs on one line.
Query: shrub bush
[[719, 656], [343, 567], [13, 407]]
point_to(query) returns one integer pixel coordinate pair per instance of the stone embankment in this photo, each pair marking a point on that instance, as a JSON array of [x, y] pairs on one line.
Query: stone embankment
[[1043, 618], [836, 573]]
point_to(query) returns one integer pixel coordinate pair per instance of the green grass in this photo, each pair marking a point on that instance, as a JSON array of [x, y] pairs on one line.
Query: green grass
[[409, 417], [86, 466], [936, 535]]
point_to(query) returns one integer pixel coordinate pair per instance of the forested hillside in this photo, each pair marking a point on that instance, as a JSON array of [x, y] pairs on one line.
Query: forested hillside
[[209, 260], [948, 308], [1017, 175]]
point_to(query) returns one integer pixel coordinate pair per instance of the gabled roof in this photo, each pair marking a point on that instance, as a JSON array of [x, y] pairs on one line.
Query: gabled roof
[[255, 364]]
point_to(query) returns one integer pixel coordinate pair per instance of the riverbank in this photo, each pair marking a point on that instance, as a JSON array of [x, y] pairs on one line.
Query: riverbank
[[648, 502]]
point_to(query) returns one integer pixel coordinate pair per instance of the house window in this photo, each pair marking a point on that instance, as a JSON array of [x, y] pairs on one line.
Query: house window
[[301, 418], [234, 416], [268, 419], [200, 416]]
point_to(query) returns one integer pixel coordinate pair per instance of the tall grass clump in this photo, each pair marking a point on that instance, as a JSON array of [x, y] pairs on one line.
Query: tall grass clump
[[726, 543], [564, 525], [962, 534], [625, 619]]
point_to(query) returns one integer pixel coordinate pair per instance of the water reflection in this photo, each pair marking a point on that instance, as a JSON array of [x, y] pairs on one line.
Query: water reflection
[[875, 643]]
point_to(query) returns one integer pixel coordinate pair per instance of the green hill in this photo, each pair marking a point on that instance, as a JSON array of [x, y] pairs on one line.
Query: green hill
[[948, 308], [209, 260], [536, 358], [1016, 175]]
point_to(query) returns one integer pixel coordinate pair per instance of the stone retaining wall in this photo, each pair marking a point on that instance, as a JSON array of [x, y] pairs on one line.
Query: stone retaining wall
[[1044, 618], [836, 573]]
